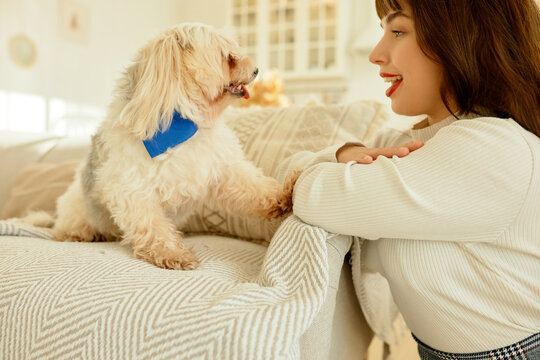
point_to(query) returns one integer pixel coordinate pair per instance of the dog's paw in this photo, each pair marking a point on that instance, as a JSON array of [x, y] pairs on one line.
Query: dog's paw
[[169, 257], [283, 204], [82, 234]]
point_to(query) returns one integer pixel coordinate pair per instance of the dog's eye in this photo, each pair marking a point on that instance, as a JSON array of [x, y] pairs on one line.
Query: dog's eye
[[232, 60]]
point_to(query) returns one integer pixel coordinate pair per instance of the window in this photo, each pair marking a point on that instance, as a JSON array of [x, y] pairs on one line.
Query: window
[[322, 34], [302, 39], [245, 21], [23, 112], [281, 26], [36, 113]]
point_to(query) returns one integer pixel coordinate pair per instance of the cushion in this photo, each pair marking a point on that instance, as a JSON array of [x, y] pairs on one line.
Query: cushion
[[37, 187], [268, 136], [20, 149]]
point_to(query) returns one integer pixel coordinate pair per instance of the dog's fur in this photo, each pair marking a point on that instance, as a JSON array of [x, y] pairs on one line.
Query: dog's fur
[[122, 193]]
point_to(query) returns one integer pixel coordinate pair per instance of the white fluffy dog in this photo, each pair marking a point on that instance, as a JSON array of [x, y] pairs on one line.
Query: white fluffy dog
[[121, 192]]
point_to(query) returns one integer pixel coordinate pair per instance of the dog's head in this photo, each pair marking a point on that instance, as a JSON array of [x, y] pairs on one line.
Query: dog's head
[[190, 68]]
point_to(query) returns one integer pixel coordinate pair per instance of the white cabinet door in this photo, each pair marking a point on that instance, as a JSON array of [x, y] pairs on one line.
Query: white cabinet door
[[305, 40]]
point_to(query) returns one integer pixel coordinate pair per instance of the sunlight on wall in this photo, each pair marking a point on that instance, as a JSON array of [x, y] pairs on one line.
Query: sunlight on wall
[[68, 118], [38, 114], [3, 106], [23, 112]]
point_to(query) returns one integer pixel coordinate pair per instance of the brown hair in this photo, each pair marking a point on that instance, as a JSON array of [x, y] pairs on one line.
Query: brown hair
[[489, 51]]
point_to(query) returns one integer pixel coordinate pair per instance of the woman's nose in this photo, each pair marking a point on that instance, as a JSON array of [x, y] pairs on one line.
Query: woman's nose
[[378, 55]]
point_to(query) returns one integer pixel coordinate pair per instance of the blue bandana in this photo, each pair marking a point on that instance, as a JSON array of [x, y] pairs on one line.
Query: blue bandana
[[181, 129]]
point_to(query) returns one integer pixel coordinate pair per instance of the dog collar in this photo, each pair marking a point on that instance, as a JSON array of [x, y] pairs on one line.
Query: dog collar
[[181, 130]]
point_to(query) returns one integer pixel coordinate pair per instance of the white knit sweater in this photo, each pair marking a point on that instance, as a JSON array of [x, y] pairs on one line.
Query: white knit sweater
[[456, 224]]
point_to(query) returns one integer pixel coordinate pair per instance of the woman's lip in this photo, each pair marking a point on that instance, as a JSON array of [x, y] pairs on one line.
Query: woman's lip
[[393, 88], [388, 75]]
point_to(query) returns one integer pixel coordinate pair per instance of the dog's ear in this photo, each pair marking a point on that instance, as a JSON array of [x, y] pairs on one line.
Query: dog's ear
[[153, 87]]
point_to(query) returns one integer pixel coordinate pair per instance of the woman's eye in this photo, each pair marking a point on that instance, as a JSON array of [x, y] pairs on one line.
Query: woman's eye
[[397, 33]]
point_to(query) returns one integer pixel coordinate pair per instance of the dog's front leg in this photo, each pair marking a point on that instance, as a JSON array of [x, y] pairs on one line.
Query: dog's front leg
[[153, 236], [245, 190]]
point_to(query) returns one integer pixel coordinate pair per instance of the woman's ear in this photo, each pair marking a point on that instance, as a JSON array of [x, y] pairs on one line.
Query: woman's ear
[[154, 80]]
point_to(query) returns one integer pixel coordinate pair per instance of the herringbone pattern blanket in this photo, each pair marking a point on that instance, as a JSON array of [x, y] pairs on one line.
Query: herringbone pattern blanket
[[95, 301]]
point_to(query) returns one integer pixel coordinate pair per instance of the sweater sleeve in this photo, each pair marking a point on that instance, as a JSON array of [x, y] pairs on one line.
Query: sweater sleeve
[[305, 159], [467, 183]]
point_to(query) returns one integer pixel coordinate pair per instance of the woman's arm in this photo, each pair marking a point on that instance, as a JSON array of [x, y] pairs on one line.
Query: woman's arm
[[467, 183], [365, 155], [351, 151]]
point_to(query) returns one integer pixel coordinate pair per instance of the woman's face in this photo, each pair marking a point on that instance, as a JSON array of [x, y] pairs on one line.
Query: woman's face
[[415, 80]]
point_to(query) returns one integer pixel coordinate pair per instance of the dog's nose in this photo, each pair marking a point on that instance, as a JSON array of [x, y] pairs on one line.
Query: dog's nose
[[256, 72]]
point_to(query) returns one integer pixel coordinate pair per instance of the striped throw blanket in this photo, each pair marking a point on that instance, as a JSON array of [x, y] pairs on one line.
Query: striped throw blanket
[[95, 301]]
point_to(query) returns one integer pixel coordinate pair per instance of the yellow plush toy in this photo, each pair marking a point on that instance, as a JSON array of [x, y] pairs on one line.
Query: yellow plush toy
[[266, 91]]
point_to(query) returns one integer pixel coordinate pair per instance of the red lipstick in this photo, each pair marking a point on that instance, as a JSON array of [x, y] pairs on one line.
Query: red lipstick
[[388, 75]]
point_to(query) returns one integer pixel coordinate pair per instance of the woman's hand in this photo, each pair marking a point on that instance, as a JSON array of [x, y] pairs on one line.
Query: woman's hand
[[364, 155]]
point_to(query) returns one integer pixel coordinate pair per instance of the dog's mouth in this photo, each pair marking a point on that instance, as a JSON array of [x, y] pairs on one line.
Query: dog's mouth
[[238, 89]]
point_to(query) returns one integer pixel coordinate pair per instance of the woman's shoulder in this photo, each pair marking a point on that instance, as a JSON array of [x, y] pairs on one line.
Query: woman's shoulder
[[488, 139], [493, 148], [487, 123], [494, 130]]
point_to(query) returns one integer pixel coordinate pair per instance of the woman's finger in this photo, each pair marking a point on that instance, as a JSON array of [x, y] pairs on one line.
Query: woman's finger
[[414, 145], [364, 159], [399, 151], [389, 152]]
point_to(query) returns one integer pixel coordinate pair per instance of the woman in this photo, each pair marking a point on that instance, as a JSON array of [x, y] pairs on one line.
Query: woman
[[453, 221]]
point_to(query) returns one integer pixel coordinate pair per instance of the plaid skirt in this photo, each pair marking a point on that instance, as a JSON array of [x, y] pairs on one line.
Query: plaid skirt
[[526, 349]]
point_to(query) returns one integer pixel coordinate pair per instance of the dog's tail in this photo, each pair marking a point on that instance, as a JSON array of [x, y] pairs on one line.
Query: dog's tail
[[36, 218]]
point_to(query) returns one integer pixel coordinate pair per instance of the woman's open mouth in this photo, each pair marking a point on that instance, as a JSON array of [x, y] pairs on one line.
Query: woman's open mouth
[[394, 79]]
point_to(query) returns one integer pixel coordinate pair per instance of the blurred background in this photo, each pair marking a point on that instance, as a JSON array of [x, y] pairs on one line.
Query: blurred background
[[60, 59]]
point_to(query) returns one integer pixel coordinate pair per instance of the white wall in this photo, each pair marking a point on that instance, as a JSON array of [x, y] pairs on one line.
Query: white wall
[[364, 79], [69, 70], [213, 12]]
